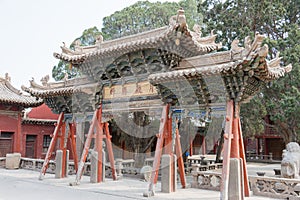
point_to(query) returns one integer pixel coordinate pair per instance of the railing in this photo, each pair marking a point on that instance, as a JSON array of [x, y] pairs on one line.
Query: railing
[[122, 166], [205, 180], [252, 157], [279, 188], [275, 187], [2, 161], [203, 162]]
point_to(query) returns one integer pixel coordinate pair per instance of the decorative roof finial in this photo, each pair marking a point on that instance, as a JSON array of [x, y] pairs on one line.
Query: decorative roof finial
[[7, 77], [181, 17], [197, 29], [99, 39], [45, 80]]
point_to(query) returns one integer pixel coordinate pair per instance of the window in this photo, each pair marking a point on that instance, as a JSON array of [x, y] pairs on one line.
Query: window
[[46, 142]]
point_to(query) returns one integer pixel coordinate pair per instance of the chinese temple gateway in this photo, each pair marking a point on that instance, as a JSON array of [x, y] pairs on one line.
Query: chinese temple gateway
[[172, 72]]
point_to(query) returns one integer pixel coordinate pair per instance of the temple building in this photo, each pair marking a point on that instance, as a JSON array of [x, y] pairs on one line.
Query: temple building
[[20, 131]]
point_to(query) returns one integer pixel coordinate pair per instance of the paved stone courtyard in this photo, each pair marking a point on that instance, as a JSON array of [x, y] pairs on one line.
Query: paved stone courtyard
[[24, 184]]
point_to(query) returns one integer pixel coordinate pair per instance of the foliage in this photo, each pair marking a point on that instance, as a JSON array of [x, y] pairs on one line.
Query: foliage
[[144, 15], [139, 17], [62, 68], [279, 21]]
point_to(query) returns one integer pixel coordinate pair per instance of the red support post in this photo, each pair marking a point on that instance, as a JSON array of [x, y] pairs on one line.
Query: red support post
[[60, 132], [110, 151], [191, 148], [164, 140], [72, 138], [233, 148], [243, 157], [102, 131], [98, 144], [19, 139], [158, 149], [85, 149], [227, 150], [52, 145], [180, 159]]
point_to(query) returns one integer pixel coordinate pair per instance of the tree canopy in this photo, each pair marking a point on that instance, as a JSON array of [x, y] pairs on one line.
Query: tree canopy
[[144, 15], [279, 22], [62, 69]]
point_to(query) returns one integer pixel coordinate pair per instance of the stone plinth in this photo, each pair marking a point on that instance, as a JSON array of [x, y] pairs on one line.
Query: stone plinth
[[168, 173], [235, 180], [12, 160]]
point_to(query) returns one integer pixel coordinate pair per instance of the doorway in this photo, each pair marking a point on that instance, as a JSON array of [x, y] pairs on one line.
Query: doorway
[[30, 146], [6, 143]]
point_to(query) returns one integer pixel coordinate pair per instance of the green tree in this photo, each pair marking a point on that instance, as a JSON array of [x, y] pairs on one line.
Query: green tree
[[279, 21], [144, 15], [62, 68]]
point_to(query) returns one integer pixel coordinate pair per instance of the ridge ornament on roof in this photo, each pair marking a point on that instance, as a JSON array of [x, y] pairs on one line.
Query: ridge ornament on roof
[[12, 96], [177, 32], [161, 56]]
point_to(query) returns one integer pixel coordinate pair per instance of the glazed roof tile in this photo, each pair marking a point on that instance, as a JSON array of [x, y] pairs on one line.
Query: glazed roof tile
[[66, 87], [191, 41], [12, 96], [225, 62], [38, 121]]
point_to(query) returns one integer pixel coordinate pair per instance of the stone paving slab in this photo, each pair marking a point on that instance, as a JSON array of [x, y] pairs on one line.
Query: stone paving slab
[[24, 184]]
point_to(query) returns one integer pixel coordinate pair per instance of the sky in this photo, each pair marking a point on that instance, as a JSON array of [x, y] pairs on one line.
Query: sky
[[32, 30]]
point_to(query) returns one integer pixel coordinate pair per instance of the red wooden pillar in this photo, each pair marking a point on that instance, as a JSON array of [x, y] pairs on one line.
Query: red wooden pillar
[[180, 159], [18, 139], [233, 148], [159, 147], [203, 146], [72, 139], [60, 133], [191, 147], [110, 151], [52, 145], [243, 157], [98, 130], [98, 145], [164, 140]]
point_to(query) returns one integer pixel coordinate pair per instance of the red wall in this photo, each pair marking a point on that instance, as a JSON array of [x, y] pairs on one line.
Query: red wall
[[10, 123], [42, 112], [39, 131]]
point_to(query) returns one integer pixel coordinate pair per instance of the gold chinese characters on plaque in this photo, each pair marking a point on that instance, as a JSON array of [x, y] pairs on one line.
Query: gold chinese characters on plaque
[[129, 90]]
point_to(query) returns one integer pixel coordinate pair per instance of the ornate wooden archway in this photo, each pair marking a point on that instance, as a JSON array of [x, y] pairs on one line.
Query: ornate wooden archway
[[173, 65]]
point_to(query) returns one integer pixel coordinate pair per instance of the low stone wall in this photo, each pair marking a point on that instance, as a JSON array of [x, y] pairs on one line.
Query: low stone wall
[[279, 188], [250, 157], [36, 164], [2, 161], [206, 180], [123, 166]]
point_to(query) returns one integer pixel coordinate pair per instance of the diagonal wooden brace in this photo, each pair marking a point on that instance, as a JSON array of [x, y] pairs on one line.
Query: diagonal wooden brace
[[233, 148], [62, 135], [164, 141], [98, 131]]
